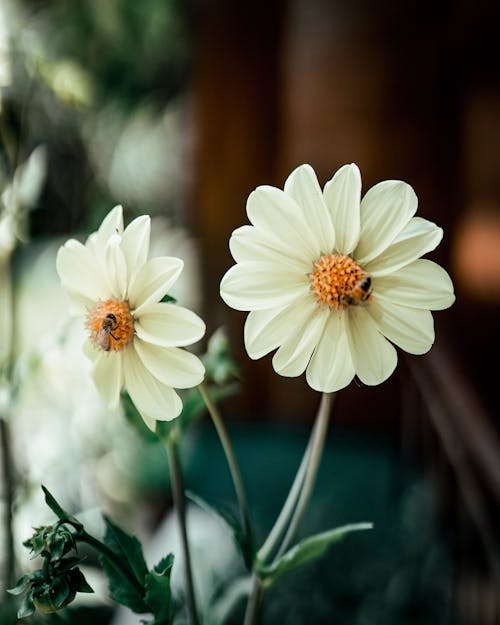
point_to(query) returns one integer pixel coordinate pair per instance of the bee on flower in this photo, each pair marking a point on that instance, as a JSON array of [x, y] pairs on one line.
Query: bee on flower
[[331, 281], [135, 339]]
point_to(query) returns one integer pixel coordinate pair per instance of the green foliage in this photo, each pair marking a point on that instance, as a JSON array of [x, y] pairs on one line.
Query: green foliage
[[305, 551], [158, 592], [126, 582]]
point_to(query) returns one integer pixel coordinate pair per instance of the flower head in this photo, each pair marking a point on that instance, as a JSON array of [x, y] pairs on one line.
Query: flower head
[[332, 280], [134, 337]]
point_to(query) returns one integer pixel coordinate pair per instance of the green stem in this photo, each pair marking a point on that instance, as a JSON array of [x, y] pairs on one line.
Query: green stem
[[295, 504], [8, 496], [318, 442], [179, 502], [231, 460]]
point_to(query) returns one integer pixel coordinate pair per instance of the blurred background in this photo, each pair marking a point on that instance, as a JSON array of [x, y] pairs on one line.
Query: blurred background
[[179, 109]]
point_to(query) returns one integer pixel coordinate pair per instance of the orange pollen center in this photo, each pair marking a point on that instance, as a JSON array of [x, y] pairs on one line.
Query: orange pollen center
[[111, 325], [339, 281]]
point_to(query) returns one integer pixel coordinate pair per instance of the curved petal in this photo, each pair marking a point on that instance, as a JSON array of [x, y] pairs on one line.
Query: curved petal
[[111, 224], [342, 196], [385, 210], [412, 329], [171, 365], [373, 357], [169, 325], [107, 373], [295, 352], [416, 239], [274, 211], [248, 243], [266, 330], [331, 367], [302, 185], [421, 284], [116, 268], [152, 281], [152, 399], [80, 271], [135, 243], [259, 285]]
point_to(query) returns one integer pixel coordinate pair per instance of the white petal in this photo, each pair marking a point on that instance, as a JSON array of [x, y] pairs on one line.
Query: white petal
[[412, 329], [116, 268], [374, 358], [107, 374], [302, 185], [416, 239], [153, 280], [342, 196], [275, 212], [259, 285], [152, 399], [293, 356], [135, 243], [331, 366], [248, 243], [111, 224], [421, 284], [170, 365], [80, 271], [385, 210], [169, 325]]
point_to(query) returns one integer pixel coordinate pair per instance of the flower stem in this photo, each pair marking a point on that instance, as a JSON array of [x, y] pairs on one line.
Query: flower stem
[[318, 442], [8, 495], [231, 460], [179, 502], [295, 504]]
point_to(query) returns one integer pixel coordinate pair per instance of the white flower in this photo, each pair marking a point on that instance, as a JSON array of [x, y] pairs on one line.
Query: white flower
[[329, 277], [134, 338]]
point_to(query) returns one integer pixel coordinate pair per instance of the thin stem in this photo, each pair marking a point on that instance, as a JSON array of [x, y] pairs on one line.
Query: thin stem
[[179, 502], [8, 493], [295, 504], [312, 468], [231, 460]]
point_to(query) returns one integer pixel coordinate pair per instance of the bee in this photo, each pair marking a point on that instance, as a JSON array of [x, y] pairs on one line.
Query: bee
[[105, 333], [359, 294]]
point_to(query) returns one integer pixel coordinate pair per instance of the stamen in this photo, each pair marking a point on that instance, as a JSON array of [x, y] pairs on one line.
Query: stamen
[[111, 325], [339, 281]]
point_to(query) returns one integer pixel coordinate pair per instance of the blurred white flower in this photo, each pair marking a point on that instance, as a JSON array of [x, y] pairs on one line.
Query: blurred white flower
[[134, 338], [329, 277]]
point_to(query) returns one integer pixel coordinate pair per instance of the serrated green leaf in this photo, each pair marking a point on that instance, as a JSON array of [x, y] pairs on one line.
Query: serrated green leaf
[[158, 592], [242, 542], [306, 550], [129, 549]]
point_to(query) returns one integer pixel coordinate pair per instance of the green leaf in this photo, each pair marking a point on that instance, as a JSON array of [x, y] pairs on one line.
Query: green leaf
[[27, 607], [129, 549], [22, 585], [58, 510], [242, 542], [158, 592], [306, 550]]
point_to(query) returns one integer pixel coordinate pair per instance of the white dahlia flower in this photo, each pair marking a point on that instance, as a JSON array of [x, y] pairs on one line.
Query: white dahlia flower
[[134, 338], [332, 280]]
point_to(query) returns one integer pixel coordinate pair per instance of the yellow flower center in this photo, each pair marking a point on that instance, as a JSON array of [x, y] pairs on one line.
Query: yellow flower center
[[111, 325], [339, 281]]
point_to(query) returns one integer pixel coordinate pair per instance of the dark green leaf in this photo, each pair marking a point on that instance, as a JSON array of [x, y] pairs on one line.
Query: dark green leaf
[[129, 549], [306, 550], [58, 511], [158, 592], [22, 585], [27, 607], [243, 542], [78, 582]]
